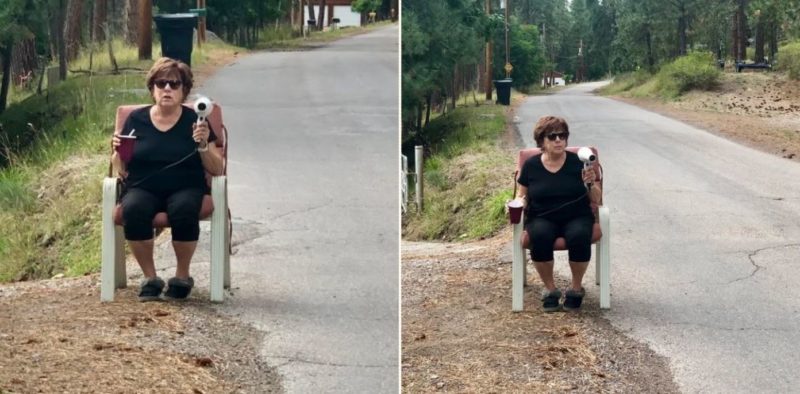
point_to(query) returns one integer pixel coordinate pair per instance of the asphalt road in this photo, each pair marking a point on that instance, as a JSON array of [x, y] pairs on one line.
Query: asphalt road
[[313, 188], [705, 243]]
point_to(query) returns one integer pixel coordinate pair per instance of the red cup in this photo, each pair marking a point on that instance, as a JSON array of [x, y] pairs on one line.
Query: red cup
[[514, 211], [125, 148]]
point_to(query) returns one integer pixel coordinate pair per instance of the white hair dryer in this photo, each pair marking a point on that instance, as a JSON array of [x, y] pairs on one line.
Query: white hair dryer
[[203, 107], [587, 156]]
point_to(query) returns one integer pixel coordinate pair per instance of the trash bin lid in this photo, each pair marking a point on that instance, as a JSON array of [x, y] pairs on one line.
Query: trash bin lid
[[175, 21], [175, 16]]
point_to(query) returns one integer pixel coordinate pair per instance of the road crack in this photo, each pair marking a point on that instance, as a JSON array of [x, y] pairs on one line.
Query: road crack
[[712, 327], [304, 210], [757, 267], [290, 360]]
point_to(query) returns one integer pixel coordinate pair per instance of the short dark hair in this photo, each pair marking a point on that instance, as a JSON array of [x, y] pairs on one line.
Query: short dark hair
[[164, 66], [547, 124]]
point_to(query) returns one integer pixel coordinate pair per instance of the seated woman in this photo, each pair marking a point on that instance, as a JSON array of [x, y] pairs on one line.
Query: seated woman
[[166, 174], [553, 189]]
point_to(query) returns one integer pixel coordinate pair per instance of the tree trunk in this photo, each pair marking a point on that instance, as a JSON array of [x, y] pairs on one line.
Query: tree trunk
[[759, 55], [682, 31], [773, 40], [651, 61], [145, 31], [99, 20], [130, 21], [735, 37], [60, 42], [310, 13], [24, 59], [5, 57], [72, 29], [488, 9], [743, 29], [321, 19], [429, 103]]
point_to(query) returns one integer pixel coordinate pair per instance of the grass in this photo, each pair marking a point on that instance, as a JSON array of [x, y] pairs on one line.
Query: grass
[[468, 176], [53, 155], [283, 38], [695, 71]]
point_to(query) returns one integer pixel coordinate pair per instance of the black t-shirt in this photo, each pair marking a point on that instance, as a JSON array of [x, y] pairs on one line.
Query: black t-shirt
[[156, 149], [548, 191]]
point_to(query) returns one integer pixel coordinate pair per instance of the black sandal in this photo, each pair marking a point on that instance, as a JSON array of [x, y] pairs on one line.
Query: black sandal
[[573, 299], [179, 288], [150, 289], [550, 300]]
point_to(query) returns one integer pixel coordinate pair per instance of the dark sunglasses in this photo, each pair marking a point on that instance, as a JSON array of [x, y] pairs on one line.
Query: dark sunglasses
[[162, 83], [553, 136]]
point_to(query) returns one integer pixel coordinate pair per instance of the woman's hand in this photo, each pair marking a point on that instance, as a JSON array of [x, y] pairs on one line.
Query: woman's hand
[[115, 159], [200, 133], [588, 175]]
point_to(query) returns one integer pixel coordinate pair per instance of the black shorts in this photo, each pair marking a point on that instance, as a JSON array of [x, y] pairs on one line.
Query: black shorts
[[140, 206], [577, 232]]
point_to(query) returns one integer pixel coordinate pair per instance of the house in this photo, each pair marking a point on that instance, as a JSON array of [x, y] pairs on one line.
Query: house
[[339, 9], [557, 79]]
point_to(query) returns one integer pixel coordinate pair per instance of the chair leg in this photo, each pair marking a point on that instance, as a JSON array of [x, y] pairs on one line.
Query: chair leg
[[597, 250], [517, 269], [109, 241], [604, 259], [218, 230], [227, 252], [120, 277]]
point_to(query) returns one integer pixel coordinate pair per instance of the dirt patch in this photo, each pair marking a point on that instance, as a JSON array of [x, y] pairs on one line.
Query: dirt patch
[[219, 59], [760, 110], [56, 336], [459, 334]]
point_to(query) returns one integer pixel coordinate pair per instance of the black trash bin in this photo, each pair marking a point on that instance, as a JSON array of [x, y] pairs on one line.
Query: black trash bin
[[503, 87], [177, 33]]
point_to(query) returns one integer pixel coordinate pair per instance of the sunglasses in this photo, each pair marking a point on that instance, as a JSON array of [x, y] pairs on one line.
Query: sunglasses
[[162, 83], [552, 136]]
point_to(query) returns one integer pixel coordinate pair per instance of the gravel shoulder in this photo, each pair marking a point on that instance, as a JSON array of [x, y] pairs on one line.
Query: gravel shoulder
[[459, 334], [56, 336]]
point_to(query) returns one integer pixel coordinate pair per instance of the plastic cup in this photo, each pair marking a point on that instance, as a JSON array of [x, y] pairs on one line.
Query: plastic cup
[[514, 211], [125, 148]]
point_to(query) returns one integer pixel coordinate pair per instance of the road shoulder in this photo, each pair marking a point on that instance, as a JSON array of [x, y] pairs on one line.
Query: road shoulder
[[459, 334]]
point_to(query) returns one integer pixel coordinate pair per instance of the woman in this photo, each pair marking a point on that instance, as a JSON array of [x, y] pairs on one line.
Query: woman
[[166, 174], [557, 204]]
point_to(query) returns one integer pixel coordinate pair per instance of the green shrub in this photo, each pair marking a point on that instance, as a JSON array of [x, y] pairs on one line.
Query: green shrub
[[627, 81], [696, 70], [789, 59]]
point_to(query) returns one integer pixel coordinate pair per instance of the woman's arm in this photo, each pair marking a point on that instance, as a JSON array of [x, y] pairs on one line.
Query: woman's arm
[[208, 151], [595, 193], [116, 162], [522, 194], [212, 159]]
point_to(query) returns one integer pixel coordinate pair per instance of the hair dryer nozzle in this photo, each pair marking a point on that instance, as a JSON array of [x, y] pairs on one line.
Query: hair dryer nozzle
[[203, 106], [586, 155]]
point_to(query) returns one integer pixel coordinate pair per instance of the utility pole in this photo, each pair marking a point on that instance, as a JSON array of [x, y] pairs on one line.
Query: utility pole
[[201, 31], [544, 47], [488, 82], [580, 71], [508, 67], [145, 29]]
